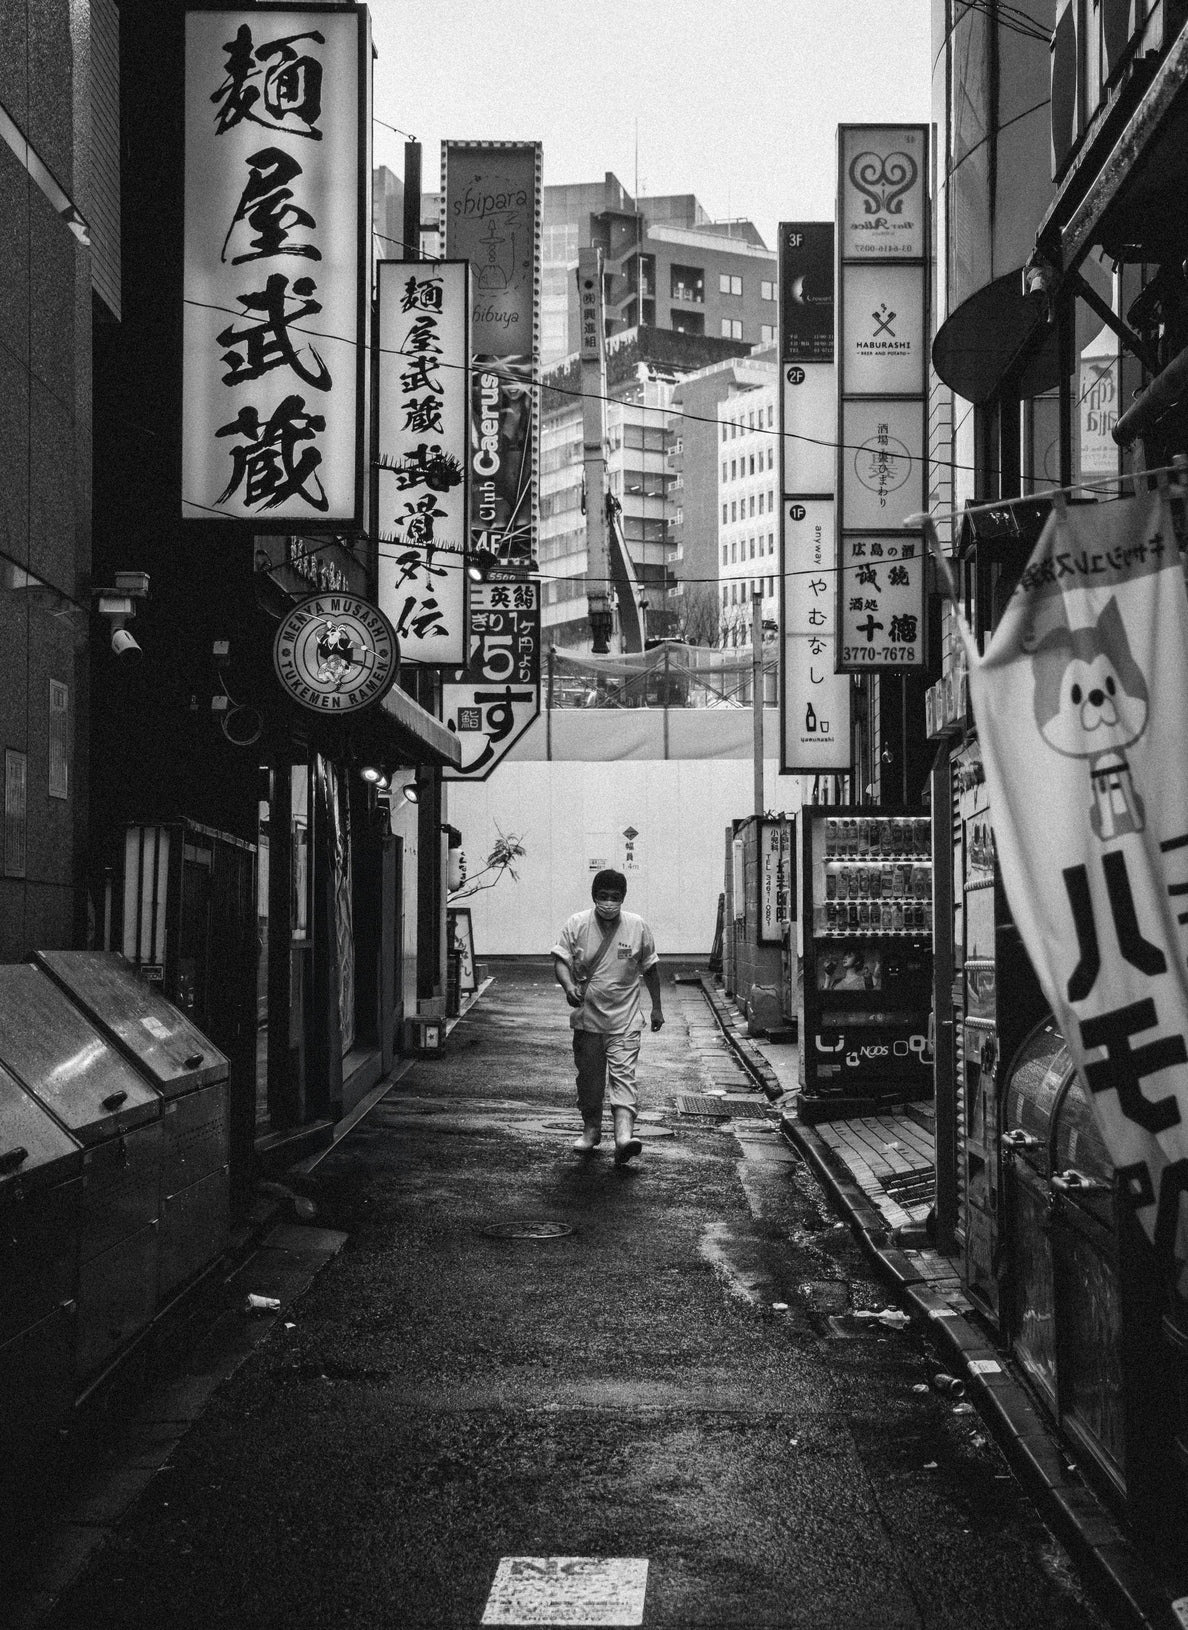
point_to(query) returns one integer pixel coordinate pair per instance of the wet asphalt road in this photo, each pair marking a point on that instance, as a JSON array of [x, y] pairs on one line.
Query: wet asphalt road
[[445, 1399]]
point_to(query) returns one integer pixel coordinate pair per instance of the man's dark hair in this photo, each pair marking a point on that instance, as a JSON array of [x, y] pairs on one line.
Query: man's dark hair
[[609, 880]]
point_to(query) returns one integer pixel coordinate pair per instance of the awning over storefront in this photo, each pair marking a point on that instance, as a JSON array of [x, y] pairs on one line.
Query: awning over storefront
[[427, 738], [1000, 330], [1131, 203]]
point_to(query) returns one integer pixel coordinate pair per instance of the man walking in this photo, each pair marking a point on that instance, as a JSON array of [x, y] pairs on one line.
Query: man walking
[[602, 957]]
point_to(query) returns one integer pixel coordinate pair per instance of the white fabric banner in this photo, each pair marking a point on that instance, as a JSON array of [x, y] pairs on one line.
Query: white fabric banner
[[1081, 704]]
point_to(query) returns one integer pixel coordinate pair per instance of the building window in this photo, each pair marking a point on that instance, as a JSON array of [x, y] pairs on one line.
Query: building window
[[723, 469], [767, 291], [734, 551], [732, 328], [725, 555], [771, 585], [16, 766], [752, 548], [733, 469], [723, 514], [734, 509], [688, 283], [752, 467], [771, 543], [770, 457], [733, 428], [751, 511], [767, 334], [723, 430], [686, 322], [770, 414]]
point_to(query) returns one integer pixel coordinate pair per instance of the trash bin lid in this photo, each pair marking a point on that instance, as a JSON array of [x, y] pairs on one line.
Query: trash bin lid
[[34, 1149], [55, 1054], [1035, 1079], [171, 1051]]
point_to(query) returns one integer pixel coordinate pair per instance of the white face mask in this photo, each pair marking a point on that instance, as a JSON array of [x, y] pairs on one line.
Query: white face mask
[[608, 912]]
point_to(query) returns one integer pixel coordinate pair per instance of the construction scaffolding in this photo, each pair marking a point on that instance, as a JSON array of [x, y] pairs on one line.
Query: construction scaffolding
[[670, 675]]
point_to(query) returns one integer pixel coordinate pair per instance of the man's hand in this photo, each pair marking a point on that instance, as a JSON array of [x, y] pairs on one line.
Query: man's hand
[[657, 1019], [574, 997]]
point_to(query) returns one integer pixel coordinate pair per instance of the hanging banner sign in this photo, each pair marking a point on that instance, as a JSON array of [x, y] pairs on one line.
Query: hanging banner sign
[[882, 348], [491, 199], [424, 429], [1082, 692], [814, 698], [276, 273], [493, 700], [335, 653]]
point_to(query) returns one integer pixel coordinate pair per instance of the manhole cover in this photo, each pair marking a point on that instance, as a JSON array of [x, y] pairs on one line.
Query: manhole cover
[[690, 1103], [653, 1131], [527, 1230]]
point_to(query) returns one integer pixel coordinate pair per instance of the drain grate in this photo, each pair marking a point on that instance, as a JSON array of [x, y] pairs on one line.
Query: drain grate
[[911, 1187], [691, 1103], [527, 1230]]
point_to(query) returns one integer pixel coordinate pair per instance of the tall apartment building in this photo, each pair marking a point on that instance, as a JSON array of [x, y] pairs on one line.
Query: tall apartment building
[[645, 472], [696, 562], [748, 470], [668, 266]]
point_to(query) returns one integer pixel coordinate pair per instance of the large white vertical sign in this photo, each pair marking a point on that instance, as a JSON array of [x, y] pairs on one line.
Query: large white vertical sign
[[275, 278], [424, 430], [882, 212], [814, 698]]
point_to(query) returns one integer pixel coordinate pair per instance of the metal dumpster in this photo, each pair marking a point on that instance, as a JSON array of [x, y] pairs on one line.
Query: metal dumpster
[[191, 1077], [59, 1058], [40, 1191], [1084, 1293]]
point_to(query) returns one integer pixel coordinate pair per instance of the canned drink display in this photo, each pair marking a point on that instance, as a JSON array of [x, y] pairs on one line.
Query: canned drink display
[[843, 884], [830, 837], [830, 886]]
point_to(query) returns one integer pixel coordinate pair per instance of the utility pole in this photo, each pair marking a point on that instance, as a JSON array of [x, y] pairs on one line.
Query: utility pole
[[757, 696]]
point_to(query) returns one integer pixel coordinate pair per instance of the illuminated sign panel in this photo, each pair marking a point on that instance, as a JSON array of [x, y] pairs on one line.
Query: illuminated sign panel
[[882, 212], [276, 275], [814, 697], [424, 427]]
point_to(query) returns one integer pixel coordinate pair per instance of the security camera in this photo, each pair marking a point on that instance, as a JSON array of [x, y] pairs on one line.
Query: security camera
[[125, 644]]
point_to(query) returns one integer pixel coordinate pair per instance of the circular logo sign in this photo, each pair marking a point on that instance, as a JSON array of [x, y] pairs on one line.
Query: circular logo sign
[[336, 653]]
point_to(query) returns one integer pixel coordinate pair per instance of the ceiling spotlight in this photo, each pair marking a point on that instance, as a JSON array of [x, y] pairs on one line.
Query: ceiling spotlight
[[370, 773], [411, 792]]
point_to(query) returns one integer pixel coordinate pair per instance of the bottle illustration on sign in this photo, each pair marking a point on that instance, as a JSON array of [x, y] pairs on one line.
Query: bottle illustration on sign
[[495, 276]]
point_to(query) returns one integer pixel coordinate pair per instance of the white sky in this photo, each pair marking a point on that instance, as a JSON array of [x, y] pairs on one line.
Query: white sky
[[737, 101]]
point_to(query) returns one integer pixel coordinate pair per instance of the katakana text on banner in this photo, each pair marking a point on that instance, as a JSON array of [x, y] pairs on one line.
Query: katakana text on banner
[[1081, 703]]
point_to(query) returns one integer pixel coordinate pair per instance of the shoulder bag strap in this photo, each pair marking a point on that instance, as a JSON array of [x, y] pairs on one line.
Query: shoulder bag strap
[[595, 961]]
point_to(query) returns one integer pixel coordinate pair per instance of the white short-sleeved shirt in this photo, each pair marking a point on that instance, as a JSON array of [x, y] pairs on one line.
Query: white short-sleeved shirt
[[612, 1005]]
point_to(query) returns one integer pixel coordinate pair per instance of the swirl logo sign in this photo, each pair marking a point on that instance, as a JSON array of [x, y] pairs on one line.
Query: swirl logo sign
[[883, 180]]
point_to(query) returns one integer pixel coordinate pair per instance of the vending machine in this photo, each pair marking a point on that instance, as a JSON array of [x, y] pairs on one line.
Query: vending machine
[[867, 988]]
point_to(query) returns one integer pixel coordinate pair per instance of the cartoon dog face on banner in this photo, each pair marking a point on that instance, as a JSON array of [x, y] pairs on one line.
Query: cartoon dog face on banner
[[1091, 701]]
